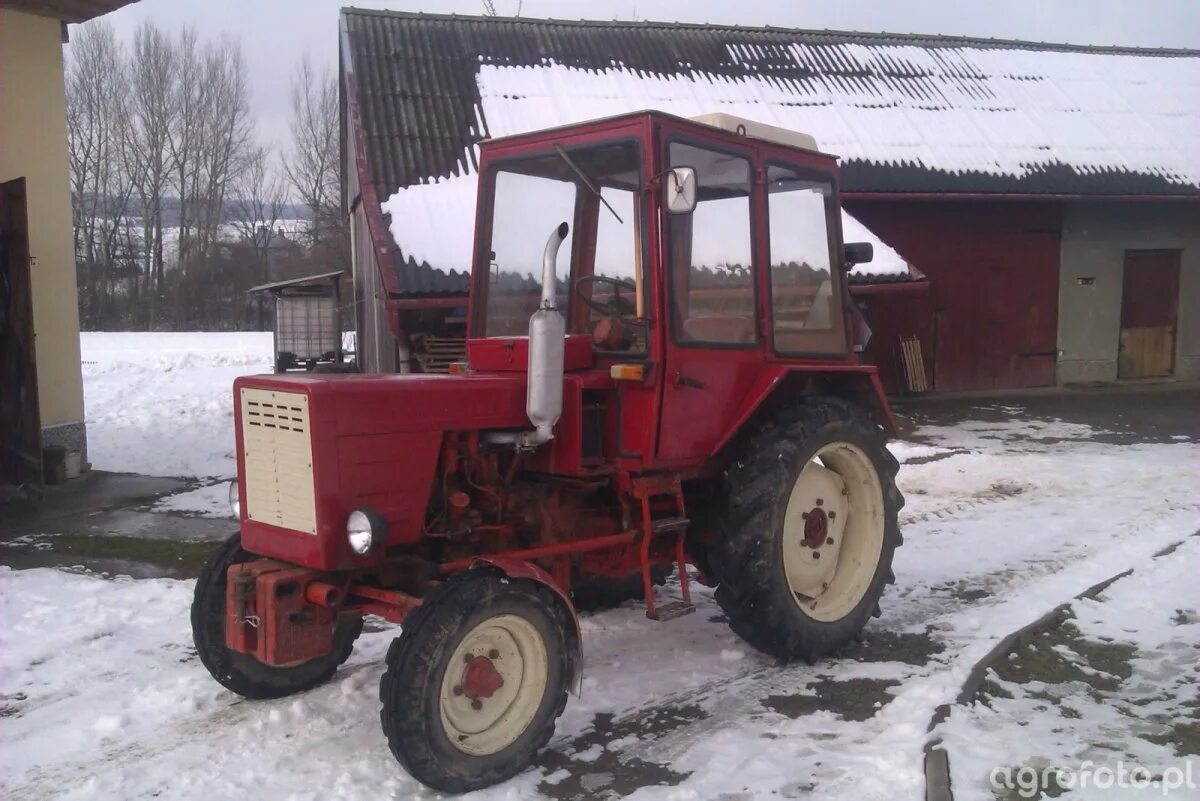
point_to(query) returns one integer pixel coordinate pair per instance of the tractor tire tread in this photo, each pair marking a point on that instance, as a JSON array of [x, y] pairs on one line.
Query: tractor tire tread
[[242, 673], [411, 659], [754, 488]]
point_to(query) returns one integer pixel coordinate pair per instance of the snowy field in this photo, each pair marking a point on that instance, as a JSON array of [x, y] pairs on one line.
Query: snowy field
[[101, 694], [162, 403]]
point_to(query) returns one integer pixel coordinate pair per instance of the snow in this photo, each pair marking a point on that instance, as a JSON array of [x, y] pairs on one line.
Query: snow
[[207, 501], [1000, 111], [434, 223], [161, 404], [1070, 724], [103, 696]]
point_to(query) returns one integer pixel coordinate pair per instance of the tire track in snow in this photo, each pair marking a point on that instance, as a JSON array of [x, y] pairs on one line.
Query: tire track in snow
[[724, 700]]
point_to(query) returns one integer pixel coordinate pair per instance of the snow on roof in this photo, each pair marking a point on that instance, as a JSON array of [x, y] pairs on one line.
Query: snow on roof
[[1022, 112], [905, 112], [433, 225]]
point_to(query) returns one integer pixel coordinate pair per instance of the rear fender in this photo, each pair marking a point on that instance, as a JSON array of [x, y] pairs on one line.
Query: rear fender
[[520, 569], [786, 383]]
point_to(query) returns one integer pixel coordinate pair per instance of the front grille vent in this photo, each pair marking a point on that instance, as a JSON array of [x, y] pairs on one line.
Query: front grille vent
[[285, 416], [277, 453]]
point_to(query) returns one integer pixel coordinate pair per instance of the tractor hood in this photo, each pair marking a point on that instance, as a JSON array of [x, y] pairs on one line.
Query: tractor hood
[[358, 404], [312, 448]]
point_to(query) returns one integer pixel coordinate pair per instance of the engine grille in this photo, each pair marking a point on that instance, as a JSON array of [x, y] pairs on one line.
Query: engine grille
[[277, 449]]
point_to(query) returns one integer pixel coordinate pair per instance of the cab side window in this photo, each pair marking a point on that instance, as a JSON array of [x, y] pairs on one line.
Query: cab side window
[[805, 300], [711, 270]]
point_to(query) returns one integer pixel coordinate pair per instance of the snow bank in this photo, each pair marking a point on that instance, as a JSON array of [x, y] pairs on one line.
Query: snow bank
[[162, 403]]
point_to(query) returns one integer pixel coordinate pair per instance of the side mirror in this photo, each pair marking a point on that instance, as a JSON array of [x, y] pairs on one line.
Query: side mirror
[[679, 190], [859, 252]]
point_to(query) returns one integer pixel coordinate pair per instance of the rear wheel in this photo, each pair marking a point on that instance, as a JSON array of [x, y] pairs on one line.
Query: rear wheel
[[475, 681], [242, 673], [808, 528]]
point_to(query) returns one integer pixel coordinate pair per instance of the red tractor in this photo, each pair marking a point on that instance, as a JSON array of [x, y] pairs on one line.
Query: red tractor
[[670, 379]]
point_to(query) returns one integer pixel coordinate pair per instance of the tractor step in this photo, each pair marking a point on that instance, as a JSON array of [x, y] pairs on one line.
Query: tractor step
[[671, 610], [665, 486]]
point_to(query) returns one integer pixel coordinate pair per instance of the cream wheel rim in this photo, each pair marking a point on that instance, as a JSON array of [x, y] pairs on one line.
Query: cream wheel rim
[[493, 685], [833, 531]]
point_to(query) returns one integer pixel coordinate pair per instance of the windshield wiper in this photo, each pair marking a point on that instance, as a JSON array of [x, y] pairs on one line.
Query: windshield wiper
[[587, 181]]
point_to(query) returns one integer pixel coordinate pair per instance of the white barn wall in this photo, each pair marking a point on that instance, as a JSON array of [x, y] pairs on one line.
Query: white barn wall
[[1095, 237]]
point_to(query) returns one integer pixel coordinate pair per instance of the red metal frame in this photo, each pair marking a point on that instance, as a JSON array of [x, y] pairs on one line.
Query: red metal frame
[[410, 447]]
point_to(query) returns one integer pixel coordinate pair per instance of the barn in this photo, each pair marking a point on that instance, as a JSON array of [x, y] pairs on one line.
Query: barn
[[1041, 202]]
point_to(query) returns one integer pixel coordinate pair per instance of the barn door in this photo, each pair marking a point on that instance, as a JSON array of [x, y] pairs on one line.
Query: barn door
[[1149, 309], [20, 424]]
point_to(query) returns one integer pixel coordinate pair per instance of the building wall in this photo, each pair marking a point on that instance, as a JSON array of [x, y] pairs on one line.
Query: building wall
[[896, 312], [993, 273], [33, 145], [1095, 237]]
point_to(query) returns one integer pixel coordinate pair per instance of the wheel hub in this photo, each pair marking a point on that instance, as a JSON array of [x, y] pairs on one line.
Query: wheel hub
[[480, 678], [816, 527], [493, 684], [833, 531]]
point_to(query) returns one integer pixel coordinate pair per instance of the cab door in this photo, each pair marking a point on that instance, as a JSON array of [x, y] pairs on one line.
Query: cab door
[[714, 348]]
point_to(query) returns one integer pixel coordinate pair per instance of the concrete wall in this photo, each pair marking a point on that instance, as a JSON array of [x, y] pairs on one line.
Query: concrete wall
[[33, 145], [1095, 237]]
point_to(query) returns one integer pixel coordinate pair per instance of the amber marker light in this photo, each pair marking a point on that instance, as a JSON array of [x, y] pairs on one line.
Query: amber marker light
[[628, 372]]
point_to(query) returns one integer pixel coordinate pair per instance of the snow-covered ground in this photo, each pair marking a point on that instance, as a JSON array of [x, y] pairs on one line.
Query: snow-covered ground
[[1117, 686], [161, 403], [101, 695]]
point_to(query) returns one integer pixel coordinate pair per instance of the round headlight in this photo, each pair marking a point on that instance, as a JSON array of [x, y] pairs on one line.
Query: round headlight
[[235, 501], [364, 530]]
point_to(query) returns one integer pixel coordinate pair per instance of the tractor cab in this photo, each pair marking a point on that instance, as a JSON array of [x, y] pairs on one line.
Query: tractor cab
[[661, 388], [701, 258]]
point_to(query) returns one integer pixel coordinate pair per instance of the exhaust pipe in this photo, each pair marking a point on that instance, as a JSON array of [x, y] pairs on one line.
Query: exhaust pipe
[[547, 336]]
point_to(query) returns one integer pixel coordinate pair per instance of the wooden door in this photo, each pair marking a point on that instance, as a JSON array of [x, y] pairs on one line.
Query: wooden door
[[20, 422], [1149, 310]]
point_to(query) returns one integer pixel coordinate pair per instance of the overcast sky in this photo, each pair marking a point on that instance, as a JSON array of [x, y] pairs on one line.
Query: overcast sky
[[274, 33]]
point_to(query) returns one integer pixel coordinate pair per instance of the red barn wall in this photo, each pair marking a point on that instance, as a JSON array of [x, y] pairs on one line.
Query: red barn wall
[[992, 321], [895, 312]]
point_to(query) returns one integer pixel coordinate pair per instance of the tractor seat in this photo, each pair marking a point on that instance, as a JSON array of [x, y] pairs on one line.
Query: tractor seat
[[718, 328]]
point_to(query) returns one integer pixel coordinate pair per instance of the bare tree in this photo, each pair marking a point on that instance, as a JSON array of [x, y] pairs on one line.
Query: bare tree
[[152, 109], [161, 137], [259, 198], [489, 8], [208, 138], [312, 166], [226, 135], [101, 188]]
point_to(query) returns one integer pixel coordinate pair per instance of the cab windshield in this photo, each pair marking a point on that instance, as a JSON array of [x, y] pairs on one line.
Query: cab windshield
[[599, 284]]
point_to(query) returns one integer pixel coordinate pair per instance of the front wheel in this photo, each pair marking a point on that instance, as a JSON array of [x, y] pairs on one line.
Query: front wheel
[[242, 673], [476, 681], [809, 524]]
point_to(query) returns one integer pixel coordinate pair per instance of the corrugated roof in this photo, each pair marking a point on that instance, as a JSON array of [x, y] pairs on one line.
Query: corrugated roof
[[906, 112]]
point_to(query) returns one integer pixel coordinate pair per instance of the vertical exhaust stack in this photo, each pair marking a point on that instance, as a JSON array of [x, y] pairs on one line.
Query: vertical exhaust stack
[[547, 337]]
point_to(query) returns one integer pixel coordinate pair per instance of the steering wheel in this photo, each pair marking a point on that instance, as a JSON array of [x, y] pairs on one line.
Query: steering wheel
[[616, 306]]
